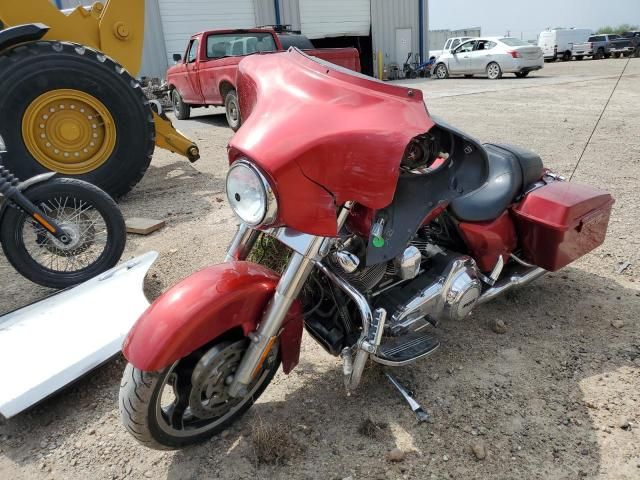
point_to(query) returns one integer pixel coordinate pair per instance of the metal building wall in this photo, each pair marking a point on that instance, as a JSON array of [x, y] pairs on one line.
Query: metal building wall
[[154, 57], [389, 15], [289, 12]]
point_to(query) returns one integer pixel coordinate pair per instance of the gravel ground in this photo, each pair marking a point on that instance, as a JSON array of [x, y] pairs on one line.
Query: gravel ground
[[555, 396]]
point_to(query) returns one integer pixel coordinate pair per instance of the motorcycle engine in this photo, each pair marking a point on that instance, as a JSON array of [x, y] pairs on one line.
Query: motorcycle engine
[[447, 290]]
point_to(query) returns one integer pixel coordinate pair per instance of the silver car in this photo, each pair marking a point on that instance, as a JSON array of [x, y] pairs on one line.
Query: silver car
[[491, 56]]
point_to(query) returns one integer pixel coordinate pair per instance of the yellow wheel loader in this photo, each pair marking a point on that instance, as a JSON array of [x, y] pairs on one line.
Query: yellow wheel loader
[[69, 101]]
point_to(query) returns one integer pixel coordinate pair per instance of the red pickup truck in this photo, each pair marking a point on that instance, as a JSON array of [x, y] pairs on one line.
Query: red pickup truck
[[207, 73]]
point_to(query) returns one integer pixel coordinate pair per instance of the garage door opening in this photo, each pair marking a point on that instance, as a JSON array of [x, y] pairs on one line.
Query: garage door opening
[[363, 44]]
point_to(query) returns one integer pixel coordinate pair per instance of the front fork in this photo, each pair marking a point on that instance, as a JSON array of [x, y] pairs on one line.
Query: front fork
[[291, 282]]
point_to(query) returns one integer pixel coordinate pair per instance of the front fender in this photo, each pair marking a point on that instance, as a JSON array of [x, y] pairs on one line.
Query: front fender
[[203, 307]]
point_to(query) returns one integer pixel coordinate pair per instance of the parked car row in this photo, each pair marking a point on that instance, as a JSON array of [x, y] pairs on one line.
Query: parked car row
[[490, 56], [571, 43], [607, 45]]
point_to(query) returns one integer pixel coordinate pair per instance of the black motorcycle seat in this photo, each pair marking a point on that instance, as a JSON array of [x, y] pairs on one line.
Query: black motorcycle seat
[[511, 169]]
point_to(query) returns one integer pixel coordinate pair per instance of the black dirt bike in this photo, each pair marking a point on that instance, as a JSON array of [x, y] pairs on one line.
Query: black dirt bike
[[58, 232]]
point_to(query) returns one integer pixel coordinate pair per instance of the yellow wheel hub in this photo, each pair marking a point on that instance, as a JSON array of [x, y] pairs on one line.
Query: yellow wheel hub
[[69, 131]]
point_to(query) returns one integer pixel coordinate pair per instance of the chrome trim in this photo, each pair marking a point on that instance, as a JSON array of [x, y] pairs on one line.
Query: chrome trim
[[300, 242], [408, 263], [271, 207], [497, 270], [356, 296], [516, 280], [347, 261], [389, 363], [522, 262], [296, 241]]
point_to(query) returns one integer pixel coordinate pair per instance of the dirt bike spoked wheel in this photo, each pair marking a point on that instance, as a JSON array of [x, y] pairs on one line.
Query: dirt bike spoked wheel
[[188, 402], [86, 117], [89, 217]]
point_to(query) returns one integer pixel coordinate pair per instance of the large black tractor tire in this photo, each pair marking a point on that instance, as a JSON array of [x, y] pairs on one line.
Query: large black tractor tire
[[39, 75]]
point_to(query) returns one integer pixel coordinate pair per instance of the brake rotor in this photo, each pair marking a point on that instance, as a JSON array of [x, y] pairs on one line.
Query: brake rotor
[[211, 378]]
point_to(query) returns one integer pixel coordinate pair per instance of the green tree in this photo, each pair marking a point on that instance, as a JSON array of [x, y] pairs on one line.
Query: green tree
[[625, 27]]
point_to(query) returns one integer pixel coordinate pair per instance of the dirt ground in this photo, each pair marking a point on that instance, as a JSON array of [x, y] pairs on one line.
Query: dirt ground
[[555, 397]]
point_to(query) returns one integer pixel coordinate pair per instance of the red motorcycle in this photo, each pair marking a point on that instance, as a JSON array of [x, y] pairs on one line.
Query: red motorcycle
[[392, 221]]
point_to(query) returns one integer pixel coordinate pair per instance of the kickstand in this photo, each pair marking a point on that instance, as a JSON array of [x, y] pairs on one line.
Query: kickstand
[[421, 414]]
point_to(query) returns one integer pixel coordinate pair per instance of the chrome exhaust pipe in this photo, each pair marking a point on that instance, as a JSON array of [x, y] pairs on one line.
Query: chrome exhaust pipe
[[516, 280]]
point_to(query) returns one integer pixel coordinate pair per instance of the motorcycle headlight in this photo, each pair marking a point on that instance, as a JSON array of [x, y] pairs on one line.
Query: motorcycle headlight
[[250, 194]]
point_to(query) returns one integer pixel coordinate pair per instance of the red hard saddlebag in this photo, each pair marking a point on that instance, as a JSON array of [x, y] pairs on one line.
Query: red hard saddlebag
[[560, 222]]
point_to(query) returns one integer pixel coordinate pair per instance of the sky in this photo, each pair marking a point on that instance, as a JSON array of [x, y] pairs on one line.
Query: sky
[[530, 17]]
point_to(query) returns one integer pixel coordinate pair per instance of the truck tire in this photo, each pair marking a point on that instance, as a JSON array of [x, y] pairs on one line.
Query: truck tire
[[180, 109], [232, 109], [579, 57], [599, 55], [70, 109], [566, 56]]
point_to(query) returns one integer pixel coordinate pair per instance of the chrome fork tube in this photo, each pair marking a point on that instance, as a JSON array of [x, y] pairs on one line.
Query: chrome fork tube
[[289, 286], [242, 243]]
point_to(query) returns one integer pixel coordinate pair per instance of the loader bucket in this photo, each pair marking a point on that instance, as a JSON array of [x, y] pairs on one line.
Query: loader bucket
[[49, 344]]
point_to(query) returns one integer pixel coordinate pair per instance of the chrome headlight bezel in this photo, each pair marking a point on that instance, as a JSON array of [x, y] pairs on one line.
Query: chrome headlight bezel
[[269, 199]]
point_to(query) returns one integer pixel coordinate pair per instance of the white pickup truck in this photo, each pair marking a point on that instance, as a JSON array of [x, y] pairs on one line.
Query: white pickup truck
[[449, 45]]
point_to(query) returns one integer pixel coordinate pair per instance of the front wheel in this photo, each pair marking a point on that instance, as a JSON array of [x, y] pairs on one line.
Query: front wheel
[[494, 71], [232, 109], [441, 71], [89, 216], [188, 402], [182, 110]]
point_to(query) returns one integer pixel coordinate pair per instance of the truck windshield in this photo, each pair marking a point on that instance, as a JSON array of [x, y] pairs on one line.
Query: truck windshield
[[239, 44]]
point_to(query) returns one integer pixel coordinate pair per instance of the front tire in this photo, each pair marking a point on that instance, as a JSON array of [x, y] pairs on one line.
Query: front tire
[[199, 408], [232, 110], [441, 71], [88, 214], [566, 56], [182, 110], [70, 109], [494, 72]]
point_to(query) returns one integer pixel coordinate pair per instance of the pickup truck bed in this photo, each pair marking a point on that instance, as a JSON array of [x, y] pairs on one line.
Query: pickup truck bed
[[206, 75]]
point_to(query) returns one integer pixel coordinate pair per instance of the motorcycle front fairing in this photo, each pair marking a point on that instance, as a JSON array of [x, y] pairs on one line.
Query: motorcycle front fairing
[[323, 135]]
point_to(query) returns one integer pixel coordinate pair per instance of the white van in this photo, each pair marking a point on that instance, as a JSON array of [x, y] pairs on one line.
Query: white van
[[557, 43]]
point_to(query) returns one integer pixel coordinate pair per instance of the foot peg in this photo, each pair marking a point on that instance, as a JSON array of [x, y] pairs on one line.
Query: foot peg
[[420, 413], [396, 351]]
